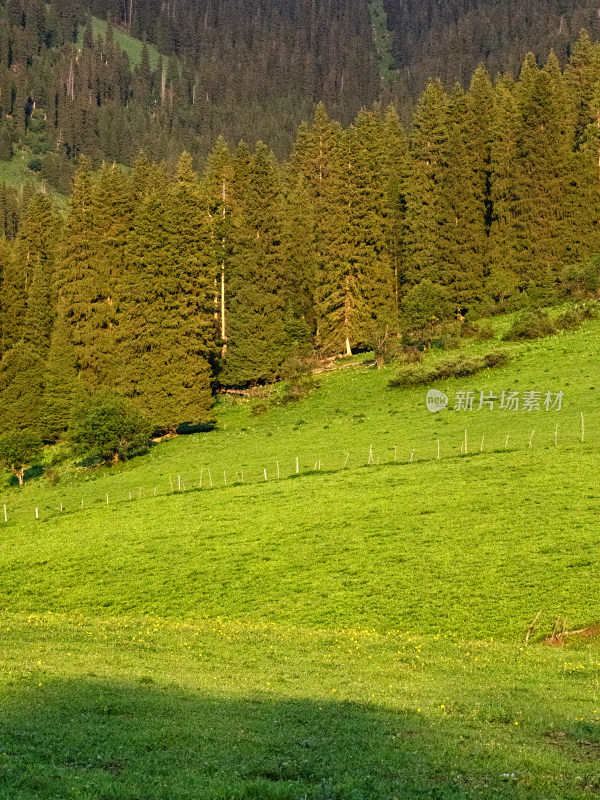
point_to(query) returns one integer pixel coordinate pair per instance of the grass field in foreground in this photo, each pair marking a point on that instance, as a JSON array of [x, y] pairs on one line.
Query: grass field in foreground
[[352, 633]]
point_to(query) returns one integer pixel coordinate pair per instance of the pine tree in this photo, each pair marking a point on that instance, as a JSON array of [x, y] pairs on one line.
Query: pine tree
[[396, 170], [219, 190], [21, 387], [464, 237], [13, 308], [62, 387], [39, 237], [299, 257], [582, 198], [356, 281], [77, 284], [427, 210], [112, 209], [543, 147], [256, 341], [505, 236], [165, 336]]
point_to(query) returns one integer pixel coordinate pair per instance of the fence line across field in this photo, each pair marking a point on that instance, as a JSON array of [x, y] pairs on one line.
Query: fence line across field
[[274, 471]]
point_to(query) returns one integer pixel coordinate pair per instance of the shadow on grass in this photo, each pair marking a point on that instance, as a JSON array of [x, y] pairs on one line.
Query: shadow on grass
[[97, 740]]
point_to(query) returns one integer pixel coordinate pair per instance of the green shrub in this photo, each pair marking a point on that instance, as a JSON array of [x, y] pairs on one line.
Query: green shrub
[[425, 307], [535, 324], [572, 318], [480, 332], [456, 367], [531, 324], [34, 164], [497, 358], [410, 354], [18, 449], [109, 428], [582, 279]]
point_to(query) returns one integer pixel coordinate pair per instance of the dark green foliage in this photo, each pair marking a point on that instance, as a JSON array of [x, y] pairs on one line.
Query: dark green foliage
[[582, 280], [454, 367], [18, 448], [21, 387], [62, 386], [424, 307], [427, 209], [572, 318], [37, 247], [107, 428], [256, 336], [450, 40], [6, 141], [480, 332], [530, 324], [533, 324], [34, 164], [165, 291]]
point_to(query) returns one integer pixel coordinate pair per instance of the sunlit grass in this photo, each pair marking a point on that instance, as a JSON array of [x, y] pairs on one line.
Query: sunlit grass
[[356, 631]]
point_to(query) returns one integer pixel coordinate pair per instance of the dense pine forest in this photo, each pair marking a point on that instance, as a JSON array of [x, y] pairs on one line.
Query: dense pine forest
[[186, 261], [71, 83], [162, 285]]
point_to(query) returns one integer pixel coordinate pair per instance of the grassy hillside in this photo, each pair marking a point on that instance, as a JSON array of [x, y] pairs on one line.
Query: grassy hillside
[[14, 173], [129, 44], [356, 631]]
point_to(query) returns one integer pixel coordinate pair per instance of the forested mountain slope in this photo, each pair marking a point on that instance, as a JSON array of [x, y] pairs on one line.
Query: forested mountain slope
[[448, 39], [251, 69]]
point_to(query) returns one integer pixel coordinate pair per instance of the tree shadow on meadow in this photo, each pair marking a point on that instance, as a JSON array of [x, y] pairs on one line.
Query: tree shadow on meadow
[[95, 740]]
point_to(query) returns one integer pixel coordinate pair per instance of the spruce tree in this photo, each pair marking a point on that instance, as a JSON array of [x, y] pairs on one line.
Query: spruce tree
[[256, 340], [166, 331], [39, 237], [543, 146], [219, 192], [21, 387], [356, 281], [505, 235], [62, 387], [582, 199], [427, 210], [396, 170], [464, 237], [299, 258], [13, 308], [77, 284]]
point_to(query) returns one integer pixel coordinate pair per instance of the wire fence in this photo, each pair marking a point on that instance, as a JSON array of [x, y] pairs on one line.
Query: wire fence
[[17, 510]]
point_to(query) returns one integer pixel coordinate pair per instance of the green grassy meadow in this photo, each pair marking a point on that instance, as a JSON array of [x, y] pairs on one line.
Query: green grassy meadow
[[129, 44], [344, 633]]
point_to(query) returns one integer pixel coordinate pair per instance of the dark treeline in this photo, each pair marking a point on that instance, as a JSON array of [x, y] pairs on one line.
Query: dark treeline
[[448, 40], [243, 69], [162, 287], [238, 69]]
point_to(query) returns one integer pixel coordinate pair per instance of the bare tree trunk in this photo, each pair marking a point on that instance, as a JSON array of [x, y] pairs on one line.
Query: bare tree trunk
[[223, 327]]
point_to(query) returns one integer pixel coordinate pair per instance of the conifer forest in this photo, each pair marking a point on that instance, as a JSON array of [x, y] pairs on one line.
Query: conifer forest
[[244, 195]]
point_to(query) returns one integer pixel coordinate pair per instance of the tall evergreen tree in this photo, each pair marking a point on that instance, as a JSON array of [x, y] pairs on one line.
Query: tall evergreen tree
[[256, 347], [62, 387], [505, 239], [39, 237], [356, 282], [219, 190], [166, 328], [21, 387], [427, 209], [543, 146]]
